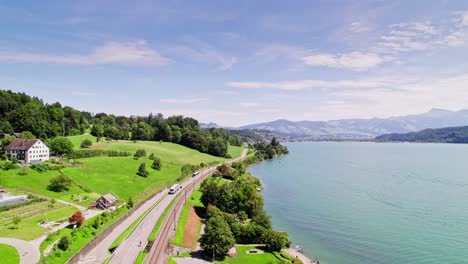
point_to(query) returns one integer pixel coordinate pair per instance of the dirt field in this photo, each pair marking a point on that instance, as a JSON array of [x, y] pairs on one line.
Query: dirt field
[[191, 228]]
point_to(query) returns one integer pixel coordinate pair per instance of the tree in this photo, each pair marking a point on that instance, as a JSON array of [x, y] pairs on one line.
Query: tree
[[7, 140], [16, 221], [63, 243], [61, 145], [151, 156], [139, 153], [86, 143], [274, 241], [217, 147], [59, 183], [130, 202], [218, 237], [97, 130], [27, 135], [142, 170], [235, 140], [76, 219], [156, 164]]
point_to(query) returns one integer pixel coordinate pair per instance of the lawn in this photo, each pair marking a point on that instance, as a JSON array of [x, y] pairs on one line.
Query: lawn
[[9, 254], [37, 183], [28, 228], [118, 175], [193, 201], [235, 152], [242, 257], [167, 152], [76, 140]]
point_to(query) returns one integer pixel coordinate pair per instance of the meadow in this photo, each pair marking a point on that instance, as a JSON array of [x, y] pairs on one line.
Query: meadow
[[9, 254]]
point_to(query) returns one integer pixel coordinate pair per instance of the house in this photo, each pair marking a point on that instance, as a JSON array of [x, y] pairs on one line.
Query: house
[[28, 150], [106, 201]]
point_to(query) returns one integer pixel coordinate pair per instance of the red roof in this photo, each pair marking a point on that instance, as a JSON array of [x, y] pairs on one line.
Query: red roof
[[21, 144]]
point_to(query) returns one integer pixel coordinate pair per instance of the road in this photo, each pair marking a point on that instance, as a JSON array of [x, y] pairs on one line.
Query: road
[[100, 253], [130, 248], [157, 253]]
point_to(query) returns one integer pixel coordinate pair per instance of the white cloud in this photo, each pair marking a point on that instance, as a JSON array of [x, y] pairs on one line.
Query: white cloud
[[310, 84], [182, 100], [358, 27], [137, 52], [406, 97], [354, 61], [465, 18]]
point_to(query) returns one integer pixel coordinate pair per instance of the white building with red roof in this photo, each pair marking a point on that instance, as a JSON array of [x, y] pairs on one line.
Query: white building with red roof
[[28, 150]]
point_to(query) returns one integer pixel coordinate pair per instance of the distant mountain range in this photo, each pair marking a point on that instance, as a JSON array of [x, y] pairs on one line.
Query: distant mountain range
[[439, 135], [362, 128]]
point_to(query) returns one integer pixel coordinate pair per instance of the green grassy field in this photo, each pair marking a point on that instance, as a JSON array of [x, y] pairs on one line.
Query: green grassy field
[[76, 140], [192, 201], [118, 175], [167, 152], [235, 152], [9, 255], [242, 257], [28, 228], [37, 183]]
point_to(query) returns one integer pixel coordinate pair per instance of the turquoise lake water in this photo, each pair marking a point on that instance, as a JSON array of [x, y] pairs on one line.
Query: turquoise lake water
[[371, 202]]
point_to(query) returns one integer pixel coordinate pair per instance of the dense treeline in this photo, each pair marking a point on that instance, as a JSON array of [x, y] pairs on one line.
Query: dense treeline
[[441, 135], [235, 208], [20, 112], [236, 215]]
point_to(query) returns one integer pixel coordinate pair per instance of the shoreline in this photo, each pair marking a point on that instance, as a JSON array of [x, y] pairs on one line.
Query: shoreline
[[305, 259], [291, 251]]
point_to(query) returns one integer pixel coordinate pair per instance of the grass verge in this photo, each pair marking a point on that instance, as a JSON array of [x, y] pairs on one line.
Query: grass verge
[[9, 254], [192, 201]]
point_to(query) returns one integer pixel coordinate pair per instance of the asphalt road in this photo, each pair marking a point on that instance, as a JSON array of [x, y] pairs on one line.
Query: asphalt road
[[129, 249]]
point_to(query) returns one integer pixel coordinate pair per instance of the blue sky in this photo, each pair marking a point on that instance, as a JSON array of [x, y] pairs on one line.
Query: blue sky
[[239, 62]]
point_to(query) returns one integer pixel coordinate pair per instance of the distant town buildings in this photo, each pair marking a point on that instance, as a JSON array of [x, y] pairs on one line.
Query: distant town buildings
[[28, 150]]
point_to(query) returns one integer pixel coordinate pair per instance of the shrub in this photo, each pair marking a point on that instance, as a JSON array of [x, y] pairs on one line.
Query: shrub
[[59, 183], [39, 168], [23, 172], [63, 243], [86, 143], [139, 153], [151, 156]]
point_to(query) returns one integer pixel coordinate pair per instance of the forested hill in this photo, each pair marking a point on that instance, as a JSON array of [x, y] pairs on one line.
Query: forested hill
[[20, 112], [440, 135]]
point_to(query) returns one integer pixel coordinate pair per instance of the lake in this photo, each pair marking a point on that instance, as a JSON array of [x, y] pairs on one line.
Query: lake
[[371, 202]]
